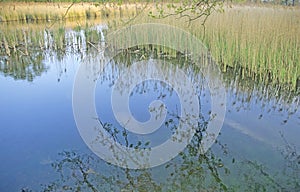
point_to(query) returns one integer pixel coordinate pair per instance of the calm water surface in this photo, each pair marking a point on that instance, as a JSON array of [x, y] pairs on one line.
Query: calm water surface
[[41, 148]]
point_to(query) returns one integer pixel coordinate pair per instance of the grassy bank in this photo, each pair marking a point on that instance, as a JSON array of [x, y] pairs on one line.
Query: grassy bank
[[47, 12]]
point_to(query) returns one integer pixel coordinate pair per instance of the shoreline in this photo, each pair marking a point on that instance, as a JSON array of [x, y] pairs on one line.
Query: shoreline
[[262, 40], [47, 12], [27, 12]]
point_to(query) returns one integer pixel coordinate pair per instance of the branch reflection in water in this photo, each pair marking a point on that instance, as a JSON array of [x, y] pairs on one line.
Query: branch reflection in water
[[221, 169]]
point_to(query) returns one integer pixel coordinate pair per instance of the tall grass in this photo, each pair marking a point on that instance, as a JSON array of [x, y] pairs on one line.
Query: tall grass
[[257, 41], [262, 42], [40, 12]]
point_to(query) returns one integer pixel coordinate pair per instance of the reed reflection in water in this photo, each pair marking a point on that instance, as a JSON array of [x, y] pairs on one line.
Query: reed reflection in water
[[245, 157]]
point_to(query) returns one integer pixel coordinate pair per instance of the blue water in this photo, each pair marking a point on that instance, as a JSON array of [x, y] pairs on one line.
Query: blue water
[[37, 123]]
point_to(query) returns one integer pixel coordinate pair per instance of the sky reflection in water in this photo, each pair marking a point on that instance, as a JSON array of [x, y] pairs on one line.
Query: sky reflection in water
[[37, 123]]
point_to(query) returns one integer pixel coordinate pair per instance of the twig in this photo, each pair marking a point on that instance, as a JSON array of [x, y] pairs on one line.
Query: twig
[[64, 16]]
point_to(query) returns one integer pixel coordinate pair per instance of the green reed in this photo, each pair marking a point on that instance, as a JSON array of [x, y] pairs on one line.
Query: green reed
[[261, 42]]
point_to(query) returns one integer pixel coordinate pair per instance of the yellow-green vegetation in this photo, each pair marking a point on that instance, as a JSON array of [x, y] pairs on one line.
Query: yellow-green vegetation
[[262, 42], [41, 12], [258, 42]]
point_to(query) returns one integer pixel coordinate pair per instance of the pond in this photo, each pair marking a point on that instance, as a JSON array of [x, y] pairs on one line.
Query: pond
[[99, 109]]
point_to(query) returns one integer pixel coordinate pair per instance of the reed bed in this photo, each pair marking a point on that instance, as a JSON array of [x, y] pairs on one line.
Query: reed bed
[[41, 12], [262, 42]]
